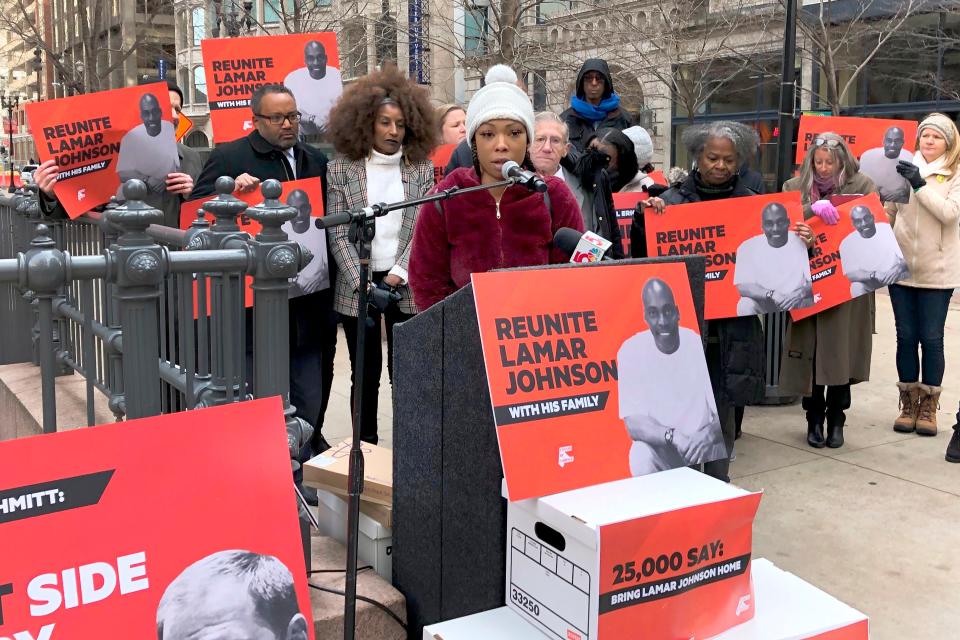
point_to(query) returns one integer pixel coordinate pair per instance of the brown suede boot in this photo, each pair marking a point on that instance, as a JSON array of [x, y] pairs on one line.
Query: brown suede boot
[[927, 410], [909, 398]]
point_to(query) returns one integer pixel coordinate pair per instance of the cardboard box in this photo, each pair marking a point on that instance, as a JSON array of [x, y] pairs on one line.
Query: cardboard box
[[495, 624], [329, 471], [787, 608], [668, 554], [375, 541]]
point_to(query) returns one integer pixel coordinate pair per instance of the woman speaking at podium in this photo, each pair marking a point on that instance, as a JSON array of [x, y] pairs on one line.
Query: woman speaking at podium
[[384, 128], [494, 229]]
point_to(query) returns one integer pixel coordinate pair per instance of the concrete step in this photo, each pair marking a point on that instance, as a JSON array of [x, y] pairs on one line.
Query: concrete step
[[372, 622]]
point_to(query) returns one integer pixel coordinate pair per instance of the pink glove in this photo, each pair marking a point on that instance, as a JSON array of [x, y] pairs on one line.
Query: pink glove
[[826, 211]]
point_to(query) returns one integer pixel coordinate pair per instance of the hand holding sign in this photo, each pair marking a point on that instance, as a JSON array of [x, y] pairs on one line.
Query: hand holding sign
[[46, 177], [98, 140]]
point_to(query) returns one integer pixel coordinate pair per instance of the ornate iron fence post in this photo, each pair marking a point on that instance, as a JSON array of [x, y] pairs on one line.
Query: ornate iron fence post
[[111, 315], [137, 271], [226, 320], [43, 270]]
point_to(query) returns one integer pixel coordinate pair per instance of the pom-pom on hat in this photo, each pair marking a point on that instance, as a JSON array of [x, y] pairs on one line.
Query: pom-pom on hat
[[642, 144], [499, 99]]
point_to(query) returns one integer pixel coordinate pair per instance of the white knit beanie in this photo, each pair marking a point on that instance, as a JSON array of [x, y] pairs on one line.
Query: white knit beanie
[[642, 144], [499, 98]]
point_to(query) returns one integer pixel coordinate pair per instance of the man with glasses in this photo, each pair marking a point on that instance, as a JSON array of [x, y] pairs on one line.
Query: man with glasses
[[273, 151], [548, 149], [665, 397]]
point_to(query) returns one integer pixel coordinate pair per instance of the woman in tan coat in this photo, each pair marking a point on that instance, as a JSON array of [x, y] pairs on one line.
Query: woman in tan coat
[[826, 353], [928, 230]]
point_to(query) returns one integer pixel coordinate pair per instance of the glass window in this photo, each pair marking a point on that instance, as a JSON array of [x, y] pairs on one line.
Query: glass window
[[385, 35], [475, 30], [199, 20], [273, 11], [199, 84], [540, 90], [547, 9], [884, 80], [731, 89], [183, 79]]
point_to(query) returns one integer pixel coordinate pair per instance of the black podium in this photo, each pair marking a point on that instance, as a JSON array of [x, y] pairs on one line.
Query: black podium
[[449, 519]]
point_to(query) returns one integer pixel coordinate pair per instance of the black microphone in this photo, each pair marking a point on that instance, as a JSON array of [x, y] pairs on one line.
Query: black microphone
[[526, 178], [582, 247], [325, 222]]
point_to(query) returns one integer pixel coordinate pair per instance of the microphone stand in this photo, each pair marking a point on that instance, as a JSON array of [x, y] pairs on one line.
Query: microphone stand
[[363, 228]]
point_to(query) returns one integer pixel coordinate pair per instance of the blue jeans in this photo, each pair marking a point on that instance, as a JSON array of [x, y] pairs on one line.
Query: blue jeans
[[920, 316]]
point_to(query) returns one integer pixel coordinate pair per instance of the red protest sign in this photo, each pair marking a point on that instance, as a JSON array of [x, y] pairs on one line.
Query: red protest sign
[[307, 196], [138, 525], [441, 158], [625, 204], [856, 256], [860, 134], [307, 63], [755, 262], [570, 376], [100, 140], [662, 575]]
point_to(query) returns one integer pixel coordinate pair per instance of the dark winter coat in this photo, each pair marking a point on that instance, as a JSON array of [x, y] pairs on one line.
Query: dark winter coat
[[472, 234], [581, 128], [835, 346], [740, 374], [254, 155]]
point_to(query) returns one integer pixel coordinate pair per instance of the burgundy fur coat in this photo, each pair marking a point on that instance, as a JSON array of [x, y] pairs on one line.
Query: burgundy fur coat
[[468, 236]]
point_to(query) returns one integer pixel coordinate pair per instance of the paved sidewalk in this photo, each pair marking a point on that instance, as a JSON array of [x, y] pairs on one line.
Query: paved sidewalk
[[875, 523]]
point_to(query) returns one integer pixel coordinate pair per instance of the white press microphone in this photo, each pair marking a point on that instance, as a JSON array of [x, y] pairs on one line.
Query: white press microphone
[[583, 248], [528, 179]]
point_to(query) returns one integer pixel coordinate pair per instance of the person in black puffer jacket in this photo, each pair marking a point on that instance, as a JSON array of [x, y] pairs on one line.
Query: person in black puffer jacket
[[595, 106], [735, 346]]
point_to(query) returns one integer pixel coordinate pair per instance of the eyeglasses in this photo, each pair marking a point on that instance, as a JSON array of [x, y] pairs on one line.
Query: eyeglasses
[[554, 141], [829, 142], [279, 118]]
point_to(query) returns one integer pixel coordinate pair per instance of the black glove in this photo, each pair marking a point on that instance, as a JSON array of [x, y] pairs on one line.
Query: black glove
[[591, 162], [911, 173], [383, 295]]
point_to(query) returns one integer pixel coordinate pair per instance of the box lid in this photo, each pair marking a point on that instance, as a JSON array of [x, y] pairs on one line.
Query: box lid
[[787, 608], [638, 497], [330, 471], [495, 623]]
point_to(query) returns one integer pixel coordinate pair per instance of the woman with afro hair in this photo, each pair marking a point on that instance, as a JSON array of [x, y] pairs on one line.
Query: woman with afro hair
[[384, 130], [497, 228]]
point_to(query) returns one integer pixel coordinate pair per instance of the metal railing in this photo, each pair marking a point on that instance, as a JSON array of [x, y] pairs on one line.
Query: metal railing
[[152, 317]]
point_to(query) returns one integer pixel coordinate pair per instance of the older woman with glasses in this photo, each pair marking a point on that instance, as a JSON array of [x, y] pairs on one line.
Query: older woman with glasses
[[826, 353]]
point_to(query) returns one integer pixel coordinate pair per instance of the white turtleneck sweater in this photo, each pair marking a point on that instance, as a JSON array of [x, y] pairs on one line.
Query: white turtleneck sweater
[[385, 184]]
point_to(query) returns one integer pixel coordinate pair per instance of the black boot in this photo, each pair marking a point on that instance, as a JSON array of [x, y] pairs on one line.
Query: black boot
[[953, 447], [815, 435], [834, 433]]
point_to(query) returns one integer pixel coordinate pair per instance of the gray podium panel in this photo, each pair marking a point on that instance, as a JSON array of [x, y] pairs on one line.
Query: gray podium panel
[[449, 520]]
